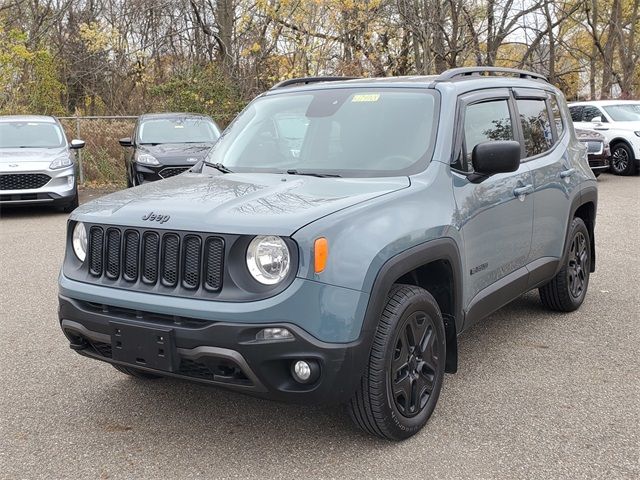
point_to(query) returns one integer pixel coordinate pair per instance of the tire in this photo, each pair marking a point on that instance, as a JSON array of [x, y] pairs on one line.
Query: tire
[[622, 160], [72, 205], [382, 405], [566, 291], [134, 372]]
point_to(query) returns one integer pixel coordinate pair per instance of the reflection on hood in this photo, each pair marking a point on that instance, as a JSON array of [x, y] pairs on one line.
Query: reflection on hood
[[249, 203]]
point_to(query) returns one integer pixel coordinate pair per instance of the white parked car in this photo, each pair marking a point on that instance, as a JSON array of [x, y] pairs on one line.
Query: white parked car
[[619, 122]]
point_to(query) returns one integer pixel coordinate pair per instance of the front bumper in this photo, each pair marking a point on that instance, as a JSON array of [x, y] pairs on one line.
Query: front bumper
[[599, 162], [221, 353], [59, 190]]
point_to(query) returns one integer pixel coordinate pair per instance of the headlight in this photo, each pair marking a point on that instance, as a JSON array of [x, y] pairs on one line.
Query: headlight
[[79, 241], [268, 259], [61, 162], [147, 159]]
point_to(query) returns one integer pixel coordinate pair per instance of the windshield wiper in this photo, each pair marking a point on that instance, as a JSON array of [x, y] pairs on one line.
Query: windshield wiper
[[313, 174], [220, 167]]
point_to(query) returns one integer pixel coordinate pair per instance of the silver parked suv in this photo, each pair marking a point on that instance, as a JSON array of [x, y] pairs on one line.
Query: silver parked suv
[[36, 162]]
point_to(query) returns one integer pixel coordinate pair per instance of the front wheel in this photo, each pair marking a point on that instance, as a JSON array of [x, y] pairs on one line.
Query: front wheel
[[400, 387], [566, 291], [622, 159]]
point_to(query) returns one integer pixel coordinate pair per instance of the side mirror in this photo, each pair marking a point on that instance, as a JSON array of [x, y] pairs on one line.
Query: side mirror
[[596, 120], [76, 144], [498, 156], [126, 142]]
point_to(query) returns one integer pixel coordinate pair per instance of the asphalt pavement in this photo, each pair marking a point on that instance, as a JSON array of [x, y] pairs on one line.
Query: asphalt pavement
[[537, 395]]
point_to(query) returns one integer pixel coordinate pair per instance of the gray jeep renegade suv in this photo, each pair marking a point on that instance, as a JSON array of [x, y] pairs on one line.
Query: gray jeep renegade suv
[[337, 239]]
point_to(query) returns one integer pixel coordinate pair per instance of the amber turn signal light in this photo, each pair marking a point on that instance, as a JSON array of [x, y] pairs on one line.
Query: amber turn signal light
[[321, 252]]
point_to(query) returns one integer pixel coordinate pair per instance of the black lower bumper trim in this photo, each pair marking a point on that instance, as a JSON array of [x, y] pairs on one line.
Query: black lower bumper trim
[[223, 354]]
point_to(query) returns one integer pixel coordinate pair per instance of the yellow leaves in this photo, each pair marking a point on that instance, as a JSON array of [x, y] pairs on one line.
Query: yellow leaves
[[97, 37], [253, 49]]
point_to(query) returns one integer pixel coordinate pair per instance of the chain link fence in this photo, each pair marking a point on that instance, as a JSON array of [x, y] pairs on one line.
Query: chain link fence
[[101, 161]]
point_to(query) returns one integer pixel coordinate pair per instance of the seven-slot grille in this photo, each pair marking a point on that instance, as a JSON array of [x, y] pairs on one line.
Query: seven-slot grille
[[23, 181], [187, 261]]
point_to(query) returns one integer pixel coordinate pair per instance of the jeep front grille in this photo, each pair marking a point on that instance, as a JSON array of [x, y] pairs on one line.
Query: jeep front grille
[[173, 260], [23, 181]]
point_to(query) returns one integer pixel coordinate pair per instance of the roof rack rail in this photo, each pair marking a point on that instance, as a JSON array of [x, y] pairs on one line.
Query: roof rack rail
[[308, 80], [477, 71]]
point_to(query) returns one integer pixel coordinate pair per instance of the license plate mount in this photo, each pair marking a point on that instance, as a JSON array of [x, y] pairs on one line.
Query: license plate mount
[[150, 347]]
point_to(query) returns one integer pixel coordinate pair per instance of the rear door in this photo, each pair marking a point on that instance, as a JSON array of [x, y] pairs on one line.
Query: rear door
[[494, 218], [548, 152]]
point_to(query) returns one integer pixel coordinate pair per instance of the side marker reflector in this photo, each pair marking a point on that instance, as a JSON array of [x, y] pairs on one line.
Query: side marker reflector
[[321, 253]]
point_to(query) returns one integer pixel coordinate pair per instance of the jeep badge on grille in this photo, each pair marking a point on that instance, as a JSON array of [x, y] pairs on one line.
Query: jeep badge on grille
[[156, 217]]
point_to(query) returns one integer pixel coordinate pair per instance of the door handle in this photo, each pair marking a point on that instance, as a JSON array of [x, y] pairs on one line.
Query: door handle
[[522, 191], [567, 173]]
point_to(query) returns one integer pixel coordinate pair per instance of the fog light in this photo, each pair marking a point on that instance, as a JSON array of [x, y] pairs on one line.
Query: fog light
[[70, 181], [274, 334], [305, 371]]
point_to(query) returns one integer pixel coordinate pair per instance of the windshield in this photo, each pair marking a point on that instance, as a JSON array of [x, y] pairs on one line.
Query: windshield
[[625, 112], [177, 130], [346, 132], [31, 135]]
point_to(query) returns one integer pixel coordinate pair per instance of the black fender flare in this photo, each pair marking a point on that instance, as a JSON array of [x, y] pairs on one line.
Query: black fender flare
[[587, 195], [439, 249]]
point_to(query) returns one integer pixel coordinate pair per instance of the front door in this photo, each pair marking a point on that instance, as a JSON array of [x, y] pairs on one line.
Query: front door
[[495, 216]]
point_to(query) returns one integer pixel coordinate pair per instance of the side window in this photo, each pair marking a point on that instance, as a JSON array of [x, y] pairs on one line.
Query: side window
[[576, 113], [557, 116], [484, 122], [590, 113], [536, 127]]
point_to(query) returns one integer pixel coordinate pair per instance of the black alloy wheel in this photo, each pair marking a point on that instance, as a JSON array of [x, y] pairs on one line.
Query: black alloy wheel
[[567, 290], [415, 364], [578, 266], [403, 378]]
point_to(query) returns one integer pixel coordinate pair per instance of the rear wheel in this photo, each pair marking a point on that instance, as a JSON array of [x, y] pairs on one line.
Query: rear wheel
[[400, 387], [622, 159], [566, 291], [134, 372]]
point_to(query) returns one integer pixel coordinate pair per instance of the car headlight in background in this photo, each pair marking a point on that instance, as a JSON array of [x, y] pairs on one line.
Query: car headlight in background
[[61, 162], [79, 241], [147, 159], [268, 259]]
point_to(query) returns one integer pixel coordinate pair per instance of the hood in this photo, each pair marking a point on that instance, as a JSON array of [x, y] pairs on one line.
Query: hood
[[177, 153], [240, 203], [633, 126], [27, 159]]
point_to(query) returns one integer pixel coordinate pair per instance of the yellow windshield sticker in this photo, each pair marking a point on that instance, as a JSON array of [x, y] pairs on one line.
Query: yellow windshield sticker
[[366, 97]]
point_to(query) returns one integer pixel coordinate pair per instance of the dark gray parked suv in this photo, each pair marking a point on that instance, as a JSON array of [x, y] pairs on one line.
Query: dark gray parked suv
[[337, 239]]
